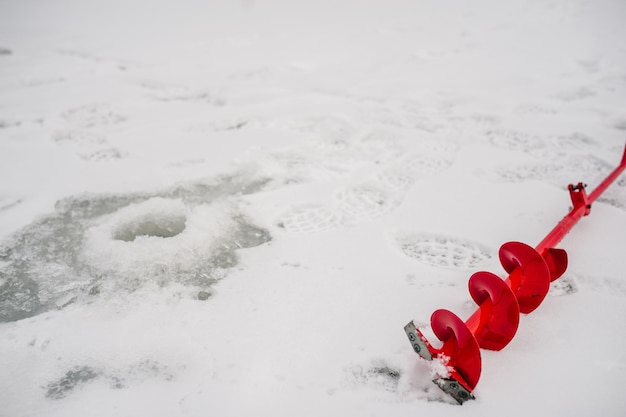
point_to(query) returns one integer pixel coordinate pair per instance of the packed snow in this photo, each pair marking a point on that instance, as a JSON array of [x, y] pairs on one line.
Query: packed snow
[[232, 208]]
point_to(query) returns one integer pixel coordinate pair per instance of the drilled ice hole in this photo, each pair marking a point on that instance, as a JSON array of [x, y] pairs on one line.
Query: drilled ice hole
[[157, 217], [160, 227]]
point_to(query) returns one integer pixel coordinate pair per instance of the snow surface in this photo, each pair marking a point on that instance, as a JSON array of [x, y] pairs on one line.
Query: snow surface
[[232, 208]]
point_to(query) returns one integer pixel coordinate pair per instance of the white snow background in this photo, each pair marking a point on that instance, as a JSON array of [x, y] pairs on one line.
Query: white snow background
[[232, 208]]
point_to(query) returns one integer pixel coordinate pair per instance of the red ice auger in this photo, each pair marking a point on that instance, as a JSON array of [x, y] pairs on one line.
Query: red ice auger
[[500, 302]]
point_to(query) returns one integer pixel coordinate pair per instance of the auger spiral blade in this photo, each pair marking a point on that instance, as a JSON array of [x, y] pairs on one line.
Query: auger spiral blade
[[450, 381], [500, 302]]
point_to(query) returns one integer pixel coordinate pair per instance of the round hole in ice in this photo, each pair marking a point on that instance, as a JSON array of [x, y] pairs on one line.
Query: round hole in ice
[[158, 218], [159, 227], [160, 237]]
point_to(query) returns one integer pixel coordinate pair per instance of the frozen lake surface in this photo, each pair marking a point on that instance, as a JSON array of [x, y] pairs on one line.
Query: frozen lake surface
[[232, 208]]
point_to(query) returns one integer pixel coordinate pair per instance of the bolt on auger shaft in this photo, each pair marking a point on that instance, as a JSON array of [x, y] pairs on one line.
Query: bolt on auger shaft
[[494, 324]]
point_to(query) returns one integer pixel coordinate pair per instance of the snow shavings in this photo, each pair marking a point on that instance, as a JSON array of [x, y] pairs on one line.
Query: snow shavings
[[439, 367]]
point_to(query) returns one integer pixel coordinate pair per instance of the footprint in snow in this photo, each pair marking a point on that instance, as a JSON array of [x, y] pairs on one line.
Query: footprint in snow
[[615, 286], [331, 130], [565, 169], [430, 158], [560, 147], [525, 172], [88, 145], [529, 109], [511, 140], [85, 132], [380, 194], [179, 93], [396, 178], [309, 219], [365, 203], [106, 154], [297, 167], [350, 206], [444, 252], [93, 116], [576, 94]]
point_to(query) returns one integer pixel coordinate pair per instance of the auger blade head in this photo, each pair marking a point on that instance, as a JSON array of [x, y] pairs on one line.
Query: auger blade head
[[455, 389], [459, 356], [418, 341], [460, 349]]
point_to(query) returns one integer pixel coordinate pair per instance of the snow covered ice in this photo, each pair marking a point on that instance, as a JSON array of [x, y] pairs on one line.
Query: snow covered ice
[[232, 208]]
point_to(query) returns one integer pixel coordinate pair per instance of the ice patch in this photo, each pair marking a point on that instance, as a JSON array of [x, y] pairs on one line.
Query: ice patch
[[563, 286], [615, 286], [61, 387], [6, 123], [378, 375], [396, 380], [121, 378], [8, 203], [99, 246]]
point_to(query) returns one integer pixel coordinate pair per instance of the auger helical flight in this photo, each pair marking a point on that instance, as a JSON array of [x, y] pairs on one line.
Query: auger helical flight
[[500, 302]]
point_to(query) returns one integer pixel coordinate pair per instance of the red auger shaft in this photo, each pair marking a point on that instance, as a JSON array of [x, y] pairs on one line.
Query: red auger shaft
[[582, 207], [494, 324]]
